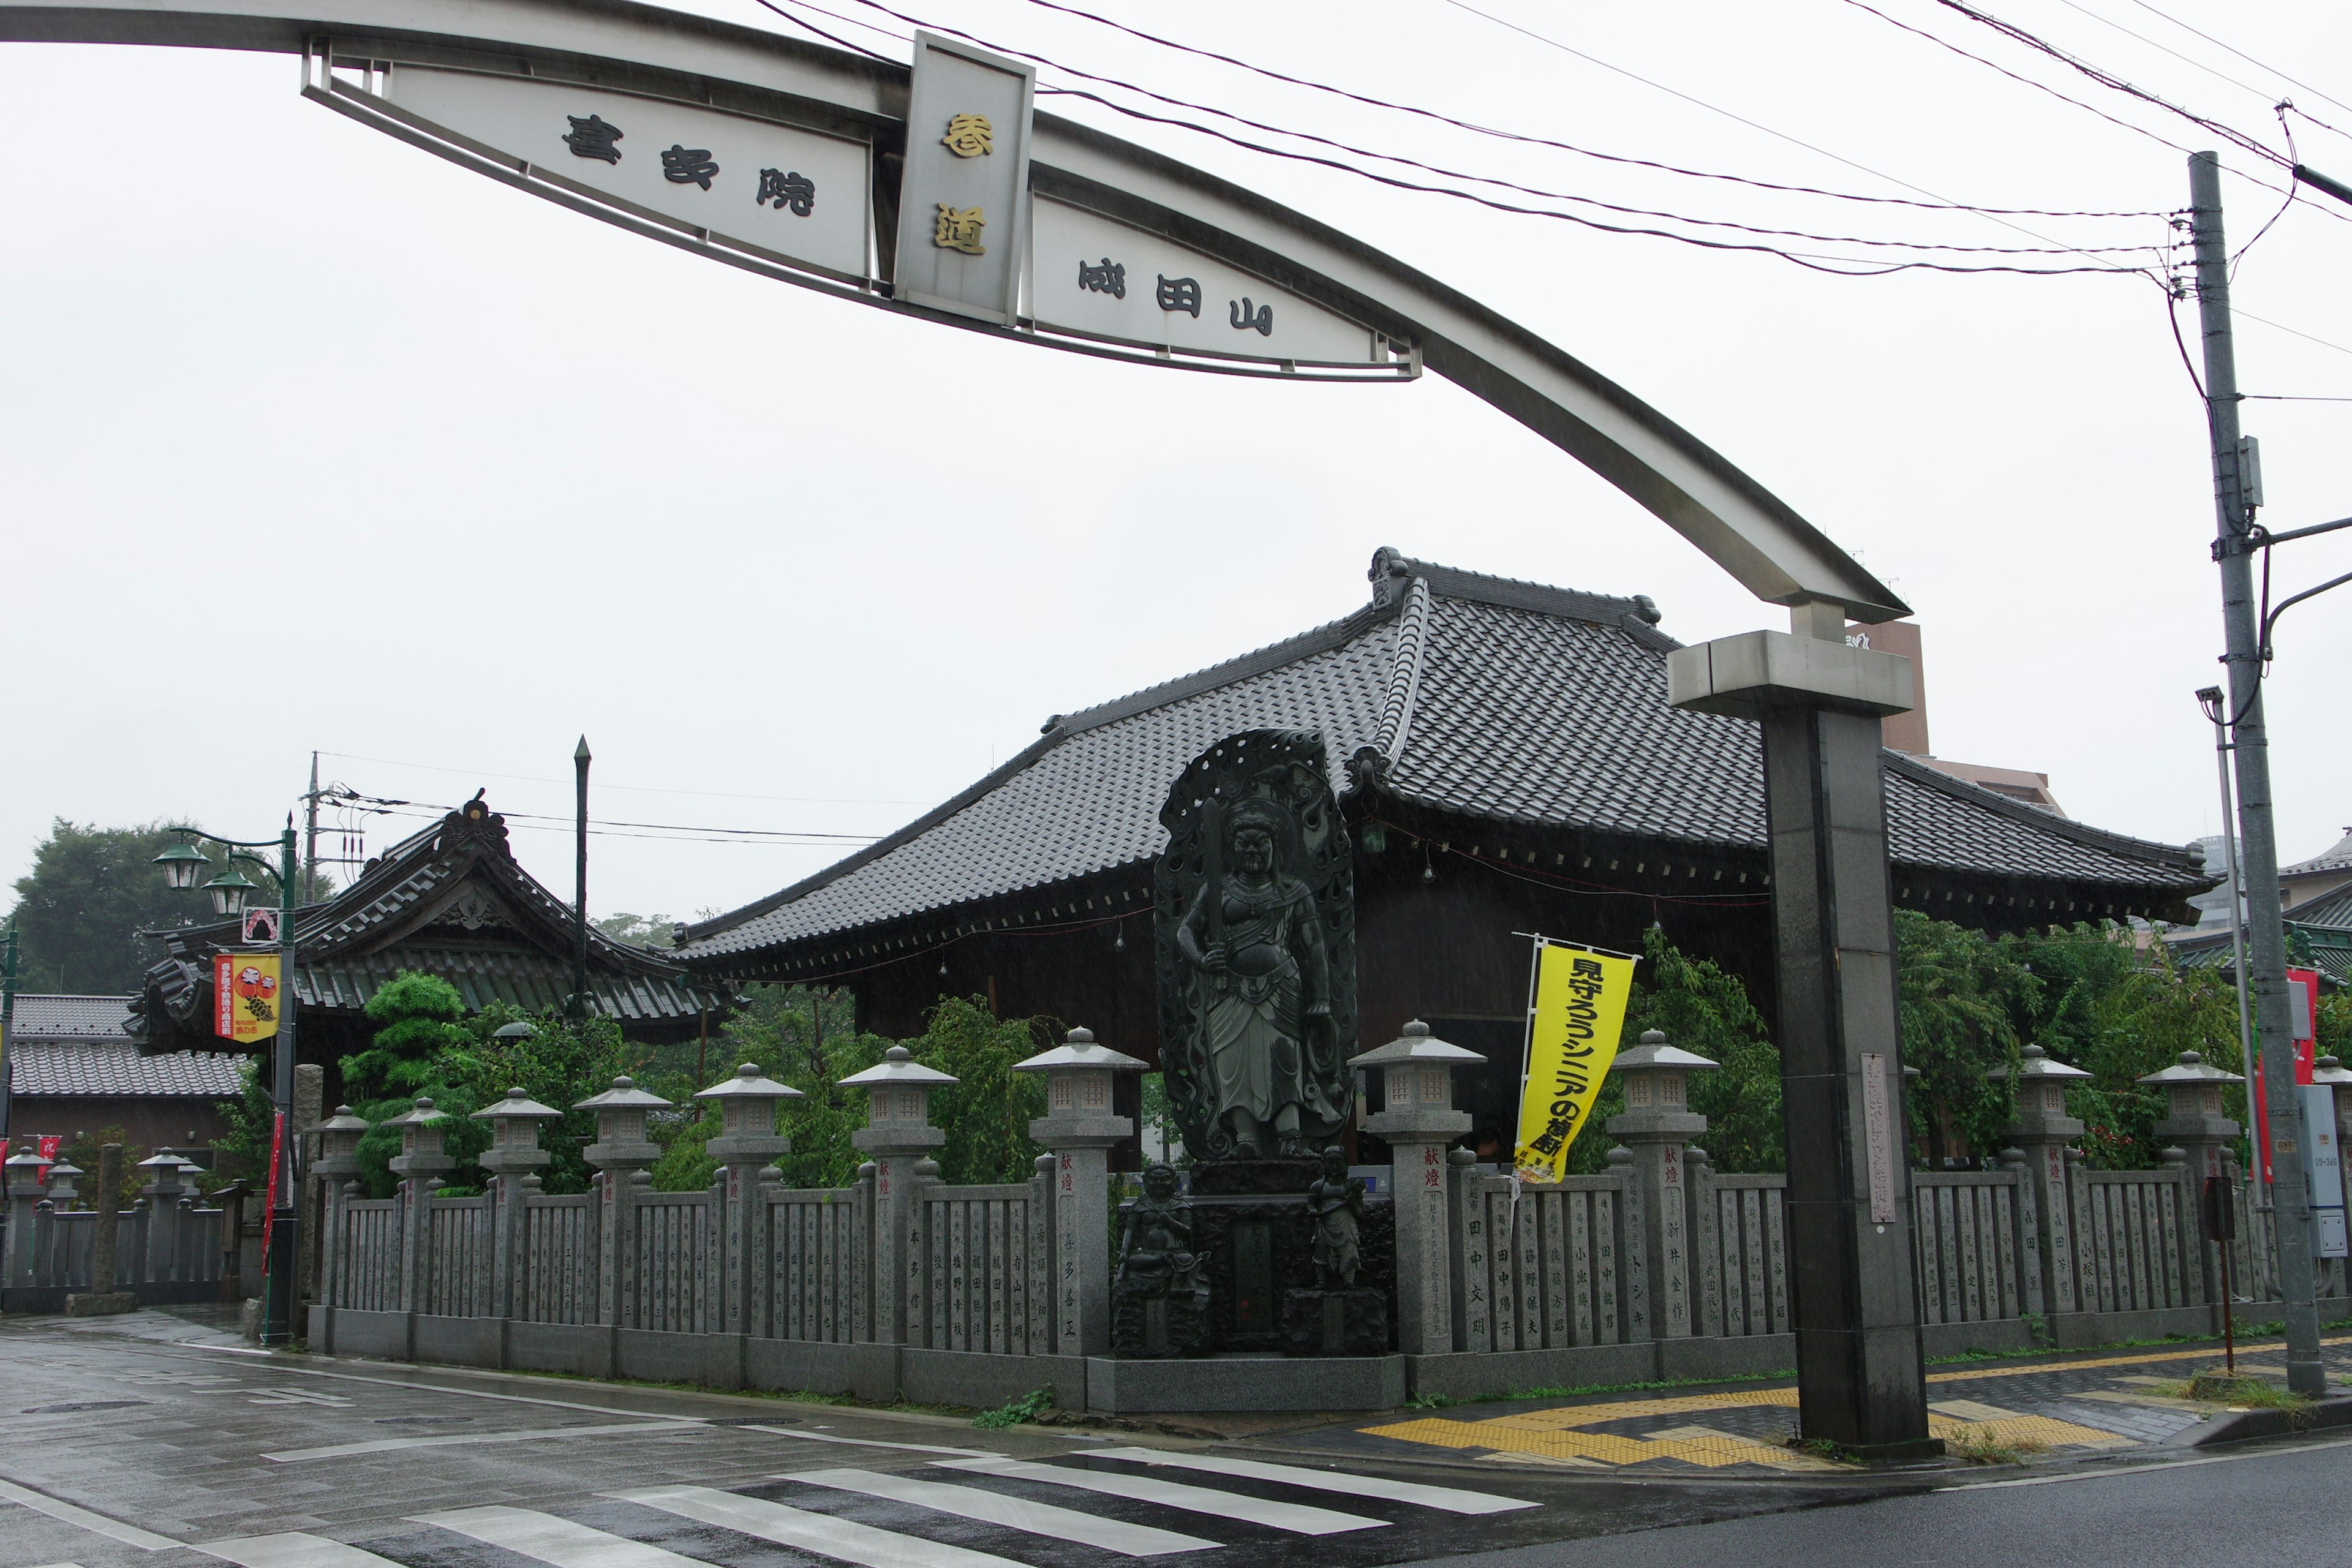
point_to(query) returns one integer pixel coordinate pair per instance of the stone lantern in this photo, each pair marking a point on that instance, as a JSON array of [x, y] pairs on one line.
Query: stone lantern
[[1654, 1126], [25, 1193], [2042, 1132], [63, 1194], [514, 1146], [424, 1152], [747, 1116], [899, 1103], [1418, 1120], [1079, 1128], [747, 1140], [514, 1159], [621, 1143], [339, 1143], [2193, 1086], [898, 1134], [163, 1184], [2042, 1081], [1657, 1091], [1078, 1074]]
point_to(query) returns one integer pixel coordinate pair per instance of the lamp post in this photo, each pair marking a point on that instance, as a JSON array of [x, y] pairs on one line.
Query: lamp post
[[281, 1231]]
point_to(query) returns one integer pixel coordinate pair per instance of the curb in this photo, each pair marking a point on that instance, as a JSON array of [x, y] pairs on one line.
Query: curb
[[2238, 1426]]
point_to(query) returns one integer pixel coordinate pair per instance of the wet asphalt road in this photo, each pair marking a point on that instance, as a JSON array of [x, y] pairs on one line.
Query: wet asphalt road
[[156, 1441]]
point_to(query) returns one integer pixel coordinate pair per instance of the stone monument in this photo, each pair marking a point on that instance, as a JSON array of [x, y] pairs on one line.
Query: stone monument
[[1256, 947]]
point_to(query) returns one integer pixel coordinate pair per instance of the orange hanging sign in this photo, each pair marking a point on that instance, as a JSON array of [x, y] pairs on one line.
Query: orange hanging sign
[[246, 1002]]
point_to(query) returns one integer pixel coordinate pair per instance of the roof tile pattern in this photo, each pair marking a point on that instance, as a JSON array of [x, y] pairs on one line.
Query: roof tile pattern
[[59, 1016], [117, 1070], [1090, 802], [2338, 859], [1550, 712]]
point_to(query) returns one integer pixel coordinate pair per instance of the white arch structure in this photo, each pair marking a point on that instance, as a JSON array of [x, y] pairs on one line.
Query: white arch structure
[[644, 51]]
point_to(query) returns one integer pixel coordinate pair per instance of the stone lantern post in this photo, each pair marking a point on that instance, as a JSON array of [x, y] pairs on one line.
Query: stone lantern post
[[338, 1164], [620, 1154], [899, 1136], [2043, 1132], [747, 1140], [25, 1193], [1655, 1125], [1418, 1120], [2192, 1088], [1079, 1128], [424, 1155], [163, 1194], [514, 1160]]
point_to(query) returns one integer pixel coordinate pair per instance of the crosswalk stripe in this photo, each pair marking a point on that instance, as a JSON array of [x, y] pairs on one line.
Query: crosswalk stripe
[[866, 1442], [554, 1540], [461, 1439], [97, 1523], [1017, 1513], [293, 1549], [1297, 1518], [819, 1532], [1449, 1499]]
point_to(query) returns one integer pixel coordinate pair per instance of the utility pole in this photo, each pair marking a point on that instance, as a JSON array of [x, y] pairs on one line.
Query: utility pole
[[579, 1005], [2233, 547], [310, 838]]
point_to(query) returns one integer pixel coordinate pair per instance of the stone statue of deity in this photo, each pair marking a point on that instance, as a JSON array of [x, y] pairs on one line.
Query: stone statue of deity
[[1159, 1295], [1335, 1202], [1256, 949]]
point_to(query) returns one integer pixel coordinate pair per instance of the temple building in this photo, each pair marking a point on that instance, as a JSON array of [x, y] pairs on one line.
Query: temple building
[[1506, 763], [450, 900]]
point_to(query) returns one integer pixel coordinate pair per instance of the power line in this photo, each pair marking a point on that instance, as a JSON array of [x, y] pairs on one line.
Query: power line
[[1937, 205], [2176, 54], [2025, 81], [2250, 59], [2104, 78], [1843, 265], [781, 838], [1848, 266], [633, 789]]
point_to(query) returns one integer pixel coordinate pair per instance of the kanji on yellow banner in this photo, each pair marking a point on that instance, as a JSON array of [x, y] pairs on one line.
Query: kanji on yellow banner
[[1578, 1017], [246, 1004]]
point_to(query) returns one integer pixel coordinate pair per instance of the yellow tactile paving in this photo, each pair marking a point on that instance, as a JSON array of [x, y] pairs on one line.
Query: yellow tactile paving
[[1558, 1435], [1693, 1445]]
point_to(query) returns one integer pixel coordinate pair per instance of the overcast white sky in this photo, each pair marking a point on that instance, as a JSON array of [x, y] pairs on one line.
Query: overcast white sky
[[312, 441]]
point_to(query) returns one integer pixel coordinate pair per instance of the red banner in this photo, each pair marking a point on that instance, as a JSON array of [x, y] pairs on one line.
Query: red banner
[[2303, 1016], [269, 1202]]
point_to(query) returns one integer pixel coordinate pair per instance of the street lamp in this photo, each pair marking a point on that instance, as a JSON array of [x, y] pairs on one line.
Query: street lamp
[[183, 863], [229, 892]]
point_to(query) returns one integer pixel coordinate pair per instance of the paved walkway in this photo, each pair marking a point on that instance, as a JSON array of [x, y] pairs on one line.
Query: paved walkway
[[2069, 1408]]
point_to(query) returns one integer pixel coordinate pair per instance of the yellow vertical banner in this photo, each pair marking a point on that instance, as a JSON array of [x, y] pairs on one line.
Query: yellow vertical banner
[[1575, 1018], [246, 1004]]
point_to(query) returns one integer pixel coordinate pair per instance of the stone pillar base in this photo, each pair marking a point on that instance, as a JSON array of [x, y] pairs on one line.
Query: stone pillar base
[[101, 1303]]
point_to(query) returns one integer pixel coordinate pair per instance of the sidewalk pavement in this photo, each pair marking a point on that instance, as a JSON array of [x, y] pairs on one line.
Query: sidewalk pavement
[[2093, 1404]]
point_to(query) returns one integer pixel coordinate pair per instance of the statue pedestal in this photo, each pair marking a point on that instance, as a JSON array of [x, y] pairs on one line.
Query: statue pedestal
[[1176, 1324], [1250, 1217], [1335, 1323]]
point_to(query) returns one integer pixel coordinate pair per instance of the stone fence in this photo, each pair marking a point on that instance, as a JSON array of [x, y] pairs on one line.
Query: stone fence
[[168, 1247], [902, 1285]]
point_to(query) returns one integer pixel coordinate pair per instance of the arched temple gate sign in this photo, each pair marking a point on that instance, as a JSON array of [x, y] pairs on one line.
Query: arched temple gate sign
[[937, 190]]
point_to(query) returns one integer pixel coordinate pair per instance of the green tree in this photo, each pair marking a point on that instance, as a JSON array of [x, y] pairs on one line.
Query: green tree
[[1963, 997], [636, 930], [80, 1151], [420, 1025], [1701, 1008], [90, 894], [241, 1151]]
